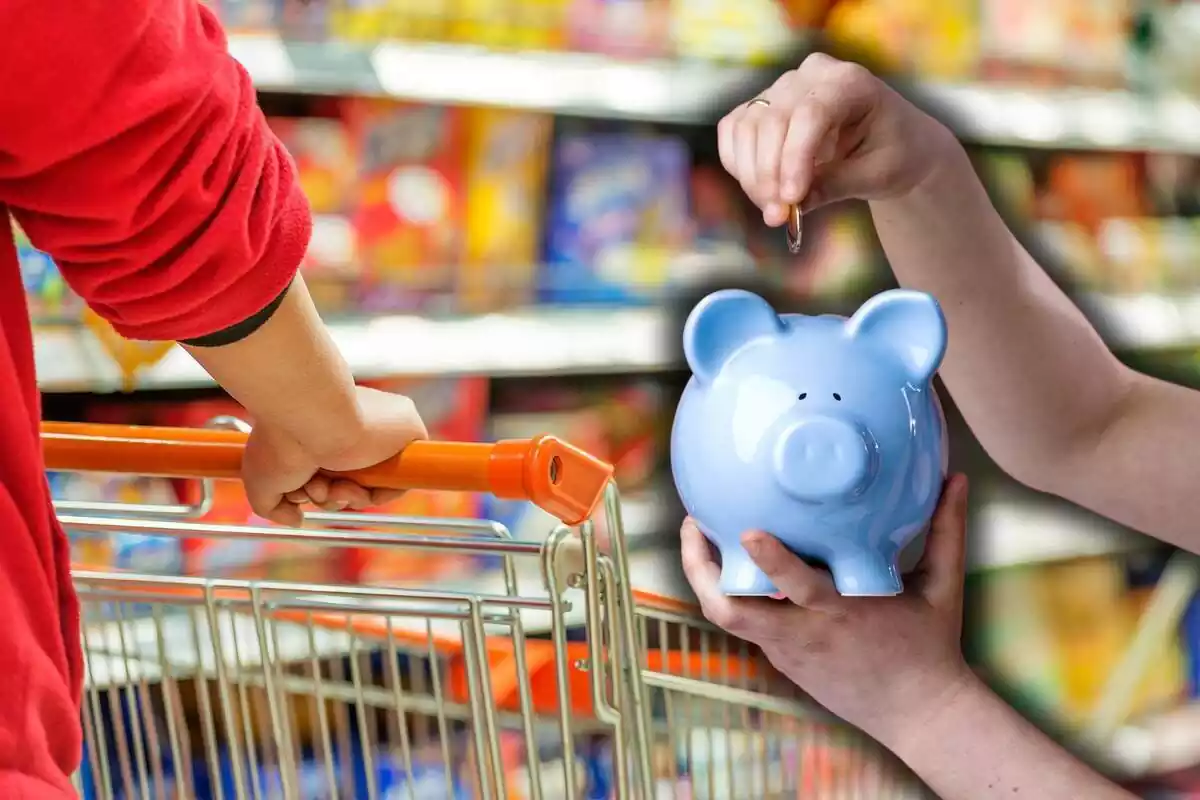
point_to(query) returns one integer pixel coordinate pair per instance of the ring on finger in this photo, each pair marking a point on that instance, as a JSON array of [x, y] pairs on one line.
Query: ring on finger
[[759, 101]]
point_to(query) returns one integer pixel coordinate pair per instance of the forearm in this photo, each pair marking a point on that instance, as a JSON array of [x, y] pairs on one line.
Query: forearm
[[290, 372], [976, 747], [1029, 373]]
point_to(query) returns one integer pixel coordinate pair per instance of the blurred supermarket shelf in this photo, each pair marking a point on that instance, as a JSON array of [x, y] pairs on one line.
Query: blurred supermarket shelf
[[582, 84], [534, 342], [1161, 743], [540, 342], [1069, 118], [1010, 532], [695, 91]]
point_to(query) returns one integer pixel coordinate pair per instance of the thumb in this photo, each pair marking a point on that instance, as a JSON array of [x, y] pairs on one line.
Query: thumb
[[943, 564]]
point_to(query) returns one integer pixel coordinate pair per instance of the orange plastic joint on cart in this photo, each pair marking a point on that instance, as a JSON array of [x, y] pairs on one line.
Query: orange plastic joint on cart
[[557, 477]]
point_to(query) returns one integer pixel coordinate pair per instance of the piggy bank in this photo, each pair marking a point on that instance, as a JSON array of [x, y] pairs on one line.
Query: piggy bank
[[822, 431]]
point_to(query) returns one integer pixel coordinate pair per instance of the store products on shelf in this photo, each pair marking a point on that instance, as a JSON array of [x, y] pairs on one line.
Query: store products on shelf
[[1071, 250], [1051, 635], [376, 20], [1190, 634], [1174, 29], [1173, 184], [1010, 639], [1009, 177], [932, 39], [129, 356], [1168, 678], [1091, 611], [409, 213], [618, 216], [1117, 222], [506, 174], [1077, 42], [304, 20], [122, 550], [1089, 188], [247, 16], [327, 170], [504, 24], [620, 27], [46, 291], [805, 15]]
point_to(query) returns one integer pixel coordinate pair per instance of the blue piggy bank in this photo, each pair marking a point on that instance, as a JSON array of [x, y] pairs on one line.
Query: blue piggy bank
[[822, 431]]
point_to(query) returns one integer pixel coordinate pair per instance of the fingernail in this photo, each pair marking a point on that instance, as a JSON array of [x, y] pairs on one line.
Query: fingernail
[[753, 544]]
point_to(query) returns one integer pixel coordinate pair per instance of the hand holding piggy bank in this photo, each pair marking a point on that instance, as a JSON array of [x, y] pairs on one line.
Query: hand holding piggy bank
[[822, 431]]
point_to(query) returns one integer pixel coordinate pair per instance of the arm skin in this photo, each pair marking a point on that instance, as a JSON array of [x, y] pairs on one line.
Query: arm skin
[[289, 371], [1014, 759], [1035, 382]]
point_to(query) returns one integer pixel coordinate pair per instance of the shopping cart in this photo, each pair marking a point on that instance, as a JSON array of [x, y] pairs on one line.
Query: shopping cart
[[555, 679]]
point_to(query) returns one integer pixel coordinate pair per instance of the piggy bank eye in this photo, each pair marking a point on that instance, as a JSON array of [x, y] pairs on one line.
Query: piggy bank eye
[[837, 397], [803, 395]]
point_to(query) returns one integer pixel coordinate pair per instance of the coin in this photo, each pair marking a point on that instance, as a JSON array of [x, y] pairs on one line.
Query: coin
[[795, 229]]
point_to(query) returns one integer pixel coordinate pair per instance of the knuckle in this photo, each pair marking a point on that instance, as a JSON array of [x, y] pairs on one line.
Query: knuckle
[[816, 62], [725, 617], [744, 125], [850, 74]]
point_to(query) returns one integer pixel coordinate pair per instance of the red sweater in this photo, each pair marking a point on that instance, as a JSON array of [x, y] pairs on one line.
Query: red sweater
[[133, 152]]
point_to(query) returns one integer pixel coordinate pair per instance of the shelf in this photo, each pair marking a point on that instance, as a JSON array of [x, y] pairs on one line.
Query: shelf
[[1019, 533], [534, 342], [1068, 118], [582, 84], [696, 91], [538, 342]]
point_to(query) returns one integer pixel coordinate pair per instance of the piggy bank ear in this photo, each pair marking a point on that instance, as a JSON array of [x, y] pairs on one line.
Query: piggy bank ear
[[722, 323], [909, 324]]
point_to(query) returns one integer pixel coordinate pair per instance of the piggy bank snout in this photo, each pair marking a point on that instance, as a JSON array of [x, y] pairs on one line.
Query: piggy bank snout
[[822, 459]]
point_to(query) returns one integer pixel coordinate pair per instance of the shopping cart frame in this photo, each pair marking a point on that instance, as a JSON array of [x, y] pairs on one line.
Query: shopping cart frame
[[606, 681]]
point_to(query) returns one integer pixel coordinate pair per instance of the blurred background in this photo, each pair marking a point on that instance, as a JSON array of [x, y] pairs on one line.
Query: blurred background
[[515, 198]]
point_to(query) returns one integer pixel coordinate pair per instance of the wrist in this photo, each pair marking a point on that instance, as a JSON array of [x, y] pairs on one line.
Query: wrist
[[921, 713], [333, 431], [322, 428], [946, 162]]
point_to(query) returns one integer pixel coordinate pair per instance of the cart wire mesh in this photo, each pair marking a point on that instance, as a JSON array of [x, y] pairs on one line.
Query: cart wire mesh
[[553, 678]]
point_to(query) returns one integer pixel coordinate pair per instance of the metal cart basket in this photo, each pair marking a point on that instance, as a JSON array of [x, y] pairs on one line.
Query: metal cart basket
[[554, 679]]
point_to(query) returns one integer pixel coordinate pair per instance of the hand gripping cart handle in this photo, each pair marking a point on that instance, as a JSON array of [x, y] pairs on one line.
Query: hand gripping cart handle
[[545, 676], [558, 478]]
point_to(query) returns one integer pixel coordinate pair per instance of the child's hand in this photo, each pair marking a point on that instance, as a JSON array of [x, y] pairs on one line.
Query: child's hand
[[282, 475], [826, 131], [882, 664]]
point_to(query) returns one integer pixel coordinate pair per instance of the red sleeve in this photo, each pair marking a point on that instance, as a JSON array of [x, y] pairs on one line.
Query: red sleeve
[[133, 151]]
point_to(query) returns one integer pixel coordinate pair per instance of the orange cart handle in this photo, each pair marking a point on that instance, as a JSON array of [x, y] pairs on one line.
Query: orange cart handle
[[560, 479]]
